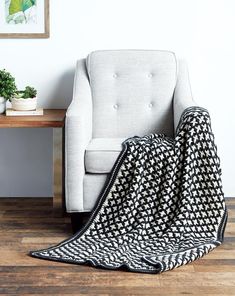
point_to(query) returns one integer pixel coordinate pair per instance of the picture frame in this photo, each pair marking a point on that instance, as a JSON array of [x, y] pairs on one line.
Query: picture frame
[[24, 19]]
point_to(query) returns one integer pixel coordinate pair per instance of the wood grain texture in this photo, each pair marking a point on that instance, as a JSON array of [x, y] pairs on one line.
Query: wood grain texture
[[29, 224], [51, 118], [45, 34], [58, 168]]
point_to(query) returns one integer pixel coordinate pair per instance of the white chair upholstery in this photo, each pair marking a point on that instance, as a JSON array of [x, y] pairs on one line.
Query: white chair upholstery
[[118, 94], [101, 154]]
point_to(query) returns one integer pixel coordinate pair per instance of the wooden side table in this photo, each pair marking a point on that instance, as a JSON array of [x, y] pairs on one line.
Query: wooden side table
[[52, 118]]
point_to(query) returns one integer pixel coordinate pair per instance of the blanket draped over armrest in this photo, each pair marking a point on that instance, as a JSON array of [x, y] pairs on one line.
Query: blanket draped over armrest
[[162, 207]]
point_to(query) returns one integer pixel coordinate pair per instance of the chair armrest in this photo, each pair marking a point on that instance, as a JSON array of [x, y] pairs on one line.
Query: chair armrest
[[78, 133], [182, 95]]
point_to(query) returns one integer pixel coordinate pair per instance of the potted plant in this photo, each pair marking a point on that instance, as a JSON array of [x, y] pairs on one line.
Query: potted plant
[[7, 88], [25, 100]]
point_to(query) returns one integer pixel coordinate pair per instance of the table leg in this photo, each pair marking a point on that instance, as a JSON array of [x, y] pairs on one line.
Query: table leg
[[58, 168]]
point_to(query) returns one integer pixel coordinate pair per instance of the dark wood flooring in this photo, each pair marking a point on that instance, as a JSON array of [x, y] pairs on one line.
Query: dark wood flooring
[[29, 224]]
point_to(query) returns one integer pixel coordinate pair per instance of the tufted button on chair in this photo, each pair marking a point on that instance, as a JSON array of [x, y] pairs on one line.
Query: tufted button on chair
[[117, 94]]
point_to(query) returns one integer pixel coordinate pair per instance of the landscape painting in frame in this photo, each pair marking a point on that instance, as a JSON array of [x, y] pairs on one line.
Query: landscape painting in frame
[[24, 18]]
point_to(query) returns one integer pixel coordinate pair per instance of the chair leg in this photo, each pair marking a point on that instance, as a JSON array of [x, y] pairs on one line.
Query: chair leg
[[78, 220]]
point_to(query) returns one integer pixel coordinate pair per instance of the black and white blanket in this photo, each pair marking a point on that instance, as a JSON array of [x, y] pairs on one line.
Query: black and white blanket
[[163, 206]]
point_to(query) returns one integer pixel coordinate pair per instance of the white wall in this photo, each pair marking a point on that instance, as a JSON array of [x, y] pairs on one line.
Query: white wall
[[202, 31]]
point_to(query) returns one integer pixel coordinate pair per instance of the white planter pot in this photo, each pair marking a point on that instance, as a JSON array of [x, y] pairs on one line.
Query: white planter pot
[[2, 105], [24, 104]]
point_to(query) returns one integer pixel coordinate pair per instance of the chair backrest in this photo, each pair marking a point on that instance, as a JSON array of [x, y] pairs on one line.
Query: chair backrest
[[132, 92]]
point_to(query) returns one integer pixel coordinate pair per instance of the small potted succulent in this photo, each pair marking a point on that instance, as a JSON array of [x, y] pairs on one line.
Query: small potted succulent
[[7, 88], [25, 100]]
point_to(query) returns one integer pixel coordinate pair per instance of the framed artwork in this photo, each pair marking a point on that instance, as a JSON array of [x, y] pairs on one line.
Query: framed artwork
[[24, 19]]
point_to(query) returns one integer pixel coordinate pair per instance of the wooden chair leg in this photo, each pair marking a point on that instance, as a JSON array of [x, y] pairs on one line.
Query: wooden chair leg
[[78, 220]]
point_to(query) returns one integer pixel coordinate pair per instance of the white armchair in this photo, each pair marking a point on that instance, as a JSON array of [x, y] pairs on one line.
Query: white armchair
[[118, 94]]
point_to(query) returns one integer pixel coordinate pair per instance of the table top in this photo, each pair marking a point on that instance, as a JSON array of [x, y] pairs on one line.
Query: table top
[[50, 118]]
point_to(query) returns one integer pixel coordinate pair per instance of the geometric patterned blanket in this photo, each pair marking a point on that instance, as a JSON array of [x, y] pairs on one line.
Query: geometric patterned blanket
[[162, 207]]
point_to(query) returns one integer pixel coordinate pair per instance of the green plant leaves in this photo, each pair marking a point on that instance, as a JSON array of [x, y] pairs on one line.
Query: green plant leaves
[[20, 5], [7, 85], [26, 4], [15, 6]]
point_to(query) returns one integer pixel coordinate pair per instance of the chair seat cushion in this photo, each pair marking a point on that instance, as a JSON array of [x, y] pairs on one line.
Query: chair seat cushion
[[101, 154]]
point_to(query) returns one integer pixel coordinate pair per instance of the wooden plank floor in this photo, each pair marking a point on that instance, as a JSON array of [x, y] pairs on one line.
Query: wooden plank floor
[[29, 224]]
